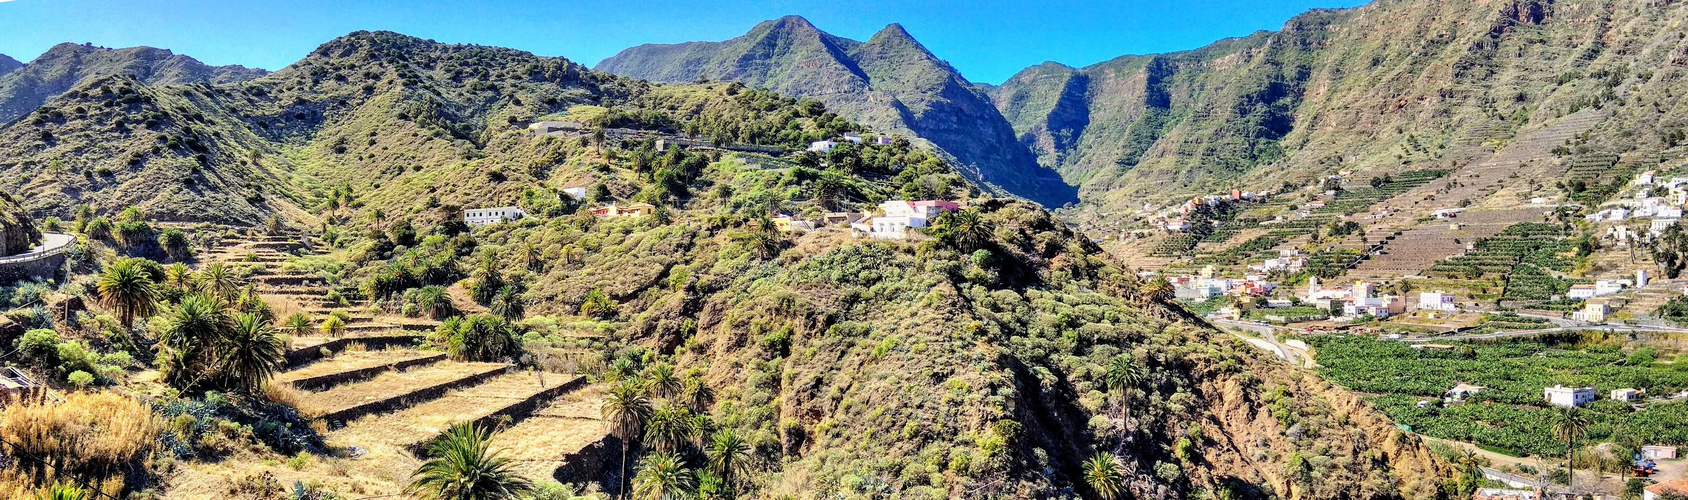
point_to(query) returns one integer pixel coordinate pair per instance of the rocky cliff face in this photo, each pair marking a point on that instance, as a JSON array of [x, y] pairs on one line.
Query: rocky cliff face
[[1395, 84], [890, 83], [17, 231], [66, 65]]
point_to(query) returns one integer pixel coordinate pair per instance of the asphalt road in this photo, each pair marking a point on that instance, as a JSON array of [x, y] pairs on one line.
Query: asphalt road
[[51, 244]]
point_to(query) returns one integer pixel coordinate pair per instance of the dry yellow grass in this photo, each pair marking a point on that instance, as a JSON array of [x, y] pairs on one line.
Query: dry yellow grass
[[355, 357], [88, 435], [391, 384], [538, 443]]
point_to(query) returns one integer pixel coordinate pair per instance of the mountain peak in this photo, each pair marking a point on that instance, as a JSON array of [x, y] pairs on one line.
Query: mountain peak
[[7, 64], [892, 31], [894, 34]]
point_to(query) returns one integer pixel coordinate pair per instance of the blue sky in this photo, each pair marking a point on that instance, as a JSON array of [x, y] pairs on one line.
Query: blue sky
[[987, 40]]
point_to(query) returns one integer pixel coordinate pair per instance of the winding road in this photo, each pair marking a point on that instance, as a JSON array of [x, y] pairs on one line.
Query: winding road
[[52, 244]]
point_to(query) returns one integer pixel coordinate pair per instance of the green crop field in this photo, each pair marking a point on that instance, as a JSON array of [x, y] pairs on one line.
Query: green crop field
[[1510, 414]]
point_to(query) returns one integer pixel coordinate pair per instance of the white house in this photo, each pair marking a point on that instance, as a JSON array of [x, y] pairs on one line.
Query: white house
[[1607, 287], [1580, 292], [853, 138], [902, 215], [882, 141], [1660, 225], [1627, 395], [1437, 301], [488, 216], [578, 193], [822, 146], [1560, 395]]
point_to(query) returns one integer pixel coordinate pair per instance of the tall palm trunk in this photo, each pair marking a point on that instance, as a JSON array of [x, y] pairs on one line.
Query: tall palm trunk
[[623, 491], [1570, 465]]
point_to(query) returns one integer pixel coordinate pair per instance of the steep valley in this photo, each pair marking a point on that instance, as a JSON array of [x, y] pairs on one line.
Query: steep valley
[[1002, 354]]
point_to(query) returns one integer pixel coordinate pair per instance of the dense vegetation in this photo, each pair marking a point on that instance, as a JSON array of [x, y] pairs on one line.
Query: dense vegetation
[[992, 355], [1510, 414]]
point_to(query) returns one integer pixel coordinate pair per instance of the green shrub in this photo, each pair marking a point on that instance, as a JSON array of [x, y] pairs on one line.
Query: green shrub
[[80, 379]]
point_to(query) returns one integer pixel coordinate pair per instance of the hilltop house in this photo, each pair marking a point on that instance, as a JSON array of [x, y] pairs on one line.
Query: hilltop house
[[1628, 395], [634, 210], [1568, 397], [489, 216], [578, 193], [822, 146], [902, 215]]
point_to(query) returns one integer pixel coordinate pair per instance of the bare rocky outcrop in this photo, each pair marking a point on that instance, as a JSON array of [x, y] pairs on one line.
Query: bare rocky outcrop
[[17, 231]]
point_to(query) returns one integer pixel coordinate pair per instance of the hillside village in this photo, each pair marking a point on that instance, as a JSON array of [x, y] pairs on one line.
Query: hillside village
[[1426, 250]]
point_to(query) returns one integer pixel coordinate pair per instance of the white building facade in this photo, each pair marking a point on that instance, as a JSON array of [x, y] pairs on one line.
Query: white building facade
[[489, 216]]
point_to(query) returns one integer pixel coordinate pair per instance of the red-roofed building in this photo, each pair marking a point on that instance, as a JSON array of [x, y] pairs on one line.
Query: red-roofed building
[[1653, 492]]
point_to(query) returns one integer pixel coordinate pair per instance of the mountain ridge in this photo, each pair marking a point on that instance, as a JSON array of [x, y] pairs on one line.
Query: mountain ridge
[[890, 82], [8, 65], [66, 65]]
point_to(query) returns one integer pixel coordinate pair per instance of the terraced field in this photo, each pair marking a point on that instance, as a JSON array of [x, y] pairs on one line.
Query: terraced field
[[382, 421]]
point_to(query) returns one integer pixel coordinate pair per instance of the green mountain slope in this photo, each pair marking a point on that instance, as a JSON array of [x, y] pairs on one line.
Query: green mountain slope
[[890, 83], [969, 364], [1396, 84], [67, 65]]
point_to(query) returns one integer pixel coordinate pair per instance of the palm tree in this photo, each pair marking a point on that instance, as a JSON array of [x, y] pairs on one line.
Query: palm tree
[[1106, 475], [663, 384], [695, 394], [1572, 424], [126, 289], [967, 229], [1123, 374], [670, 426], [662, 477], [462, 466], [729, 455], [297, 324], [435, 301], [333, 326], [829, 189], [532, 260], [219, 280], [1157, 290], [508, 304], [251, 353], [762, 238], [199, 321], [625, 411], [179, 276]]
